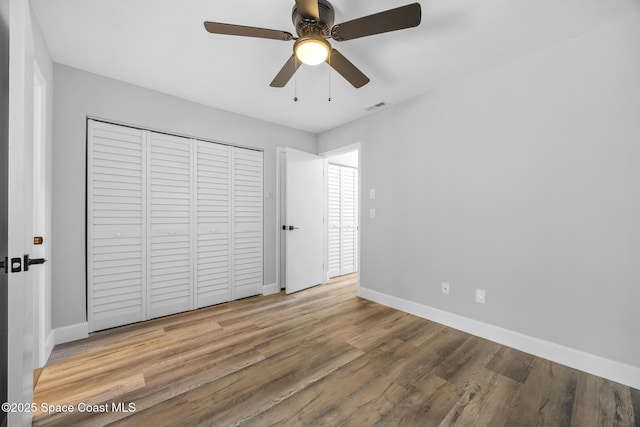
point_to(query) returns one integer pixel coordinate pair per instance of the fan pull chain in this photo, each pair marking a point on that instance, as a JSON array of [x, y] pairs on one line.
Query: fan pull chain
[[295, 79], [329, 76]]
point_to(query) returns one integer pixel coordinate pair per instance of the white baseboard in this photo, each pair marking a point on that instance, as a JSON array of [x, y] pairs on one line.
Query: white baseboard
[[271, 289], [70, 333], [606, 368]]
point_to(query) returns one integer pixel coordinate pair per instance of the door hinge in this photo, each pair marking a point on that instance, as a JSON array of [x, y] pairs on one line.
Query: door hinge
[[4, 265]]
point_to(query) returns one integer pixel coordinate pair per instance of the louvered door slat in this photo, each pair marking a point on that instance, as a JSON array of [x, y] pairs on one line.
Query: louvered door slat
[[115, 227]]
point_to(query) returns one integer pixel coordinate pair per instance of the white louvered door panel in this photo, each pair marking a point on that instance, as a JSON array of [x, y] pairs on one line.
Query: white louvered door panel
[[349, 219], [170, 210], [213, 222], [356, 217], [334, 220], [247, 223], [116, 232]]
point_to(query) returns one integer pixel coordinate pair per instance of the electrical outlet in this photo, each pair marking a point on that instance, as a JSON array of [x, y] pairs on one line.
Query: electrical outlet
[[445, 288], [481, 296], [372, 193], [372, 213]]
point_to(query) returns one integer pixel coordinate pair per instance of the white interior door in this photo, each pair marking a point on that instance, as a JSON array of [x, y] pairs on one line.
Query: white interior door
[[348, 211], [304, 213], [4, 202], [342, 185], [213, 224], [247, 223], [170, 215], [20, 226], [334, 200], [116, 232]]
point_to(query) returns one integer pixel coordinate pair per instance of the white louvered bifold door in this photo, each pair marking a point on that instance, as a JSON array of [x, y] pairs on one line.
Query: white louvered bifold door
[[356, 218], [213, 222], [349, 184], [170, 266], [342, 196], [247, 223], [173, 224], [334, 219], [116, 259]]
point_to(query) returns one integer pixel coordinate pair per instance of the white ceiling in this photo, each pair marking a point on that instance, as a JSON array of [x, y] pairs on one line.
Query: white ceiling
[[162, 45]]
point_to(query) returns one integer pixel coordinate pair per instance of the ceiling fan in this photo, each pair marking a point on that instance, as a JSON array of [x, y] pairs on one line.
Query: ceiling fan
[[313, 20]]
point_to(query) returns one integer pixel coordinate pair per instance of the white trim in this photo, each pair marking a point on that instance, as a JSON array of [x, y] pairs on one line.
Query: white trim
[[70, 333], [577, 359], [39, 213], [279, 165], [356, 146], [49, 344], [271, 289]]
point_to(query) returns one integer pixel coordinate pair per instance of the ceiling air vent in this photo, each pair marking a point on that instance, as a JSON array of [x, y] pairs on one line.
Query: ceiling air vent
[[376, 106]]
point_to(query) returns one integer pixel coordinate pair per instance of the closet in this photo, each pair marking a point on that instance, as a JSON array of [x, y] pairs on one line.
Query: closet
[[173, 224], [342, 198]]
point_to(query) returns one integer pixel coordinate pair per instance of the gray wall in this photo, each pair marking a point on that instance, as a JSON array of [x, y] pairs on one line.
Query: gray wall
[[78, 94], [523, 180]]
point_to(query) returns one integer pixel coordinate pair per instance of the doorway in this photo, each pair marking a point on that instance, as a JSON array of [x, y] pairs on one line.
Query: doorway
[[342, 215], [347, 158], [342, 201]]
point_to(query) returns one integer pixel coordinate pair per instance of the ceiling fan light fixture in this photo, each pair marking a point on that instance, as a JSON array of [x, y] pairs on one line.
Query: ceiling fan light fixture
[[312, 50]]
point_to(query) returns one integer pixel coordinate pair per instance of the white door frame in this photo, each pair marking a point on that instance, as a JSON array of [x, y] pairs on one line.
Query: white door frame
[[39, 214], [281, 154]]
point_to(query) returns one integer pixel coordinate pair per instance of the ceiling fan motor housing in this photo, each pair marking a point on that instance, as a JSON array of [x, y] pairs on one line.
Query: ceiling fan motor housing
[[309, 27]]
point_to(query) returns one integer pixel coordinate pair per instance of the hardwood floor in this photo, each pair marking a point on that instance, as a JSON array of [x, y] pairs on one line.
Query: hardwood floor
[[318, 357]]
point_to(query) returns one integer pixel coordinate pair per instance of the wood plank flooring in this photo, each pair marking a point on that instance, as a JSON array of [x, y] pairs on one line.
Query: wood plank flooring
[[320, 357]]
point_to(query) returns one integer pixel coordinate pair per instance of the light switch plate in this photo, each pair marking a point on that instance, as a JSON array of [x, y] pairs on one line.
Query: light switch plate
[[372, 213], [372, 193]]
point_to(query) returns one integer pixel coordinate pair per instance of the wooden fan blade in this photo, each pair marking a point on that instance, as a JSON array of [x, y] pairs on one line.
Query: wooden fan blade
[[241, 30], [346, 69], [390, 20], [286, 72], [308, 8]]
